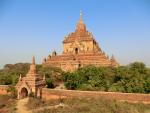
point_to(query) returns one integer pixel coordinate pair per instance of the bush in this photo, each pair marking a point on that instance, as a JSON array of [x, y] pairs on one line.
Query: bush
[[133, 78], [31, 94], [49, 83]]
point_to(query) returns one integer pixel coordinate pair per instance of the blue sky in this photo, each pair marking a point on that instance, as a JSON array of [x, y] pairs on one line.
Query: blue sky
[[36, 27]]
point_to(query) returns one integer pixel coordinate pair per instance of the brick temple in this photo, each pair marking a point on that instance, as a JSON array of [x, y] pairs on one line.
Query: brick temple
[[31, 83], [79, 49]]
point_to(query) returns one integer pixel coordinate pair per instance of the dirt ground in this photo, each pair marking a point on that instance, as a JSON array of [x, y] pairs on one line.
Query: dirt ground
[[21, 106]]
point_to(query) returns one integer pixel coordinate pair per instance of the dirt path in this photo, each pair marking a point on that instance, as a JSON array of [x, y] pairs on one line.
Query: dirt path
[[21, 106]]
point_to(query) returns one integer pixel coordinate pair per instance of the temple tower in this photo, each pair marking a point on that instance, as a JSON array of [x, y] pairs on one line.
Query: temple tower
[[31, 83], [79, 49], [80, 27]]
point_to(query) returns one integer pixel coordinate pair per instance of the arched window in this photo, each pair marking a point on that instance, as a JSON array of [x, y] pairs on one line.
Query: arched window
[[79, 65], [87, 48], [76, 50]]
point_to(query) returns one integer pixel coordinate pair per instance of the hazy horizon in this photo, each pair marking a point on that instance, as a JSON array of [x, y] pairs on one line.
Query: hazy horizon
[[35, 27]]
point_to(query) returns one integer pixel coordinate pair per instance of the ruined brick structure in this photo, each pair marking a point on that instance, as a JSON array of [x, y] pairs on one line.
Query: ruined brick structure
[[31, 83], [79, 49]]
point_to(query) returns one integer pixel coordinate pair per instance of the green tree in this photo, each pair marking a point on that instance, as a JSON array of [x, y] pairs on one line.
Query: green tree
[[49, 83]]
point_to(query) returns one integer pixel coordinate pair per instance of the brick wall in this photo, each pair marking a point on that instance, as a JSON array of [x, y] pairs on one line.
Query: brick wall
[[130, 97], [3, 89], [55, 93]]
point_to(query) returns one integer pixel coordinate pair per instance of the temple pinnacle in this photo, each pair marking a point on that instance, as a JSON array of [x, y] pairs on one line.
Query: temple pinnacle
[[33, 60], [81, 14]]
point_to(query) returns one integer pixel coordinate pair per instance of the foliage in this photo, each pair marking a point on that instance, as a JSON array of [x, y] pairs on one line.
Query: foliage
[[133, 78], [9, 75], [32, 94], [49, 83], [53, 75]]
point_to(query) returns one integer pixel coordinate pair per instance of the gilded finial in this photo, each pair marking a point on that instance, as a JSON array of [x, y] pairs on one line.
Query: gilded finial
[[80, 25], [81, 14]]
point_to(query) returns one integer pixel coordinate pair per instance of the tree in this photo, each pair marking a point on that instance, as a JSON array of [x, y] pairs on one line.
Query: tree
[[49, 83]]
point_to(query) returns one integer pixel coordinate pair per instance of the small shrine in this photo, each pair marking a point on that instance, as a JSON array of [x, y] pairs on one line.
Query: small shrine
[[31, 83]]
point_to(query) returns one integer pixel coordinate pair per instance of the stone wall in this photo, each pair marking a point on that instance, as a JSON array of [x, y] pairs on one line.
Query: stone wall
[[130, 97], [55, 94], [3, 89]]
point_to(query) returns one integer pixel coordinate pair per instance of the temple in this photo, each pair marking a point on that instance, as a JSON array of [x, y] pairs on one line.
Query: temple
[[31, 83], [79, 49]]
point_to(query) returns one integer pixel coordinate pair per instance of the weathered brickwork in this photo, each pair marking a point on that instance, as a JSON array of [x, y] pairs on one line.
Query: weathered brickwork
[[3, 89], [79, 49], [130, 97], [56, 94], [31, 83]]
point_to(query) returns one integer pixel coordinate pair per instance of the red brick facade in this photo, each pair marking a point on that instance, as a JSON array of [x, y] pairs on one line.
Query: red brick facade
[[31, 83], [130, 97], [79, 49]]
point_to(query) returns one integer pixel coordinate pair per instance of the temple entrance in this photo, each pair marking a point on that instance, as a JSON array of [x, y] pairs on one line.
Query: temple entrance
[[24, 93], [76, 50], [79, 65]]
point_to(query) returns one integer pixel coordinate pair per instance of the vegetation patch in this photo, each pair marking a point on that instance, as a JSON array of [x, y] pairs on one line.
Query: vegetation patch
[[92, 105], [133, 78], [35, 103], [9, 75]]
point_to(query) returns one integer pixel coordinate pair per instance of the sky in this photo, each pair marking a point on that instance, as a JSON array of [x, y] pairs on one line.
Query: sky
[[36, 27]]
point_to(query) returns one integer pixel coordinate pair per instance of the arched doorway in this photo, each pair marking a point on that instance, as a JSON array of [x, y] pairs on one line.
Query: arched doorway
[[76, 50], [79, 65], [24, 93]]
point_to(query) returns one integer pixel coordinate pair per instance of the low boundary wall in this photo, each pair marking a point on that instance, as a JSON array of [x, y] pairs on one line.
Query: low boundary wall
[[130, 97], [56, 93], [3, 89]]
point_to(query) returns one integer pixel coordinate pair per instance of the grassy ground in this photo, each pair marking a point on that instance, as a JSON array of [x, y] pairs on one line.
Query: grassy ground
[[87, 105], [7, 104]]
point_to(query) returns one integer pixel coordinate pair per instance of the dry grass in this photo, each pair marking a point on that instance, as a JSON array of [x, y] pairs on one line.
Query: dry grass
[[7, 104], [35, 103], [89, 105]]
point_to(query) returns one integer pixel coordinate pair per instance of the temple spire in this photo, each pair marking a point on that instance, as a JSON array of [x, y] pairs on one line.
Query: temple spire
[[81, 18], [33, 60], [80, 25], [112, 57], [113, 61], [20, 77], [32, 67]]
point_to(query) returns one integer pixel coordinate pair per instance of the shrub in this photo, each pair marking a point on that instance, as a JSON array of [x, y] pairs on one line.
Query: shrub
[[49, 83], [133, 78], [31, 94]]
